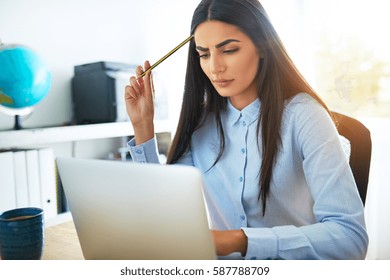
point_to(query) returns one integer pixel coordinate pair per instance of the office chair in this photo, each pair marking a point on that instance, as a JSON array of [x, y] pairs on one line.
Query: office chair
[[360, 141]]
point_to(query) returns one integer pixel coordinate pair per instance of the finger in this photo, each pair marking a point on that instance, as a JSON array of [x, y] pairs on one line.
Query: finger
[[152, 84], [134, 83], [147, 66], [130, 92], [133, 96], [127, 91], [148, 87], [138, 72]]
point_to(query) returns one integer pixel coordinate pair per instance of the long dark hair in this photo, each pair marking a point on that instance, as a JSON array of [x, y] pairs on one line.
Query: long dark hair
[[278, 80]]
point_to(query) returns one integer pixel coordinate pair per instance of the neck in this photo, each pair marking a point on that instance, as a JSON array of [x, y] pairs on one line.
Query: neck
[[240, 102]]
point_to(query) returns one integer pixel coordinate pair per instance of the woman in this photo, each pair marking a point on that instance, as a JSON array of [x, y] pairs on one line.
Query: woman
[[278, 184]]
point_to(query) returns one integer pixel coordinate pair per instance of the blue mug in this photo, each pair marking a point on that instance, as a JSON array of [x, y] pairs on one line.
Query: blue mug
[[22, 234]]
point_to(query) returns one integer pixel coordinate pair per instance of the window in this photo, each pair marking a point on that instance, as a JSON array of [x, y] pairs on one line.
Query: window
[[341, 47]]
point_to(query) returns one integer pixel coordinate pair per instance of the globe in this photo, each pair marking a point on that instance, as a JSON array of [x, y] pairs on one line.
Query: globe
[[24, 78]]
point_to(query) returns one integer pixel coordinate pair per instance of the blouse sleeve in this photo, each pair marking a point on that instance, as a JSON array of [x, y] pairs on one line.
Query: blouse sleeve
[[148, 152], [144, 153]]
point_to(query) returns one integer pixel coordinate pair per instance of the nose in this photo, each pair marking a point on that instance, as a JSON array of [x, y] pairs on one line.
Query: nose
[[216, 64]]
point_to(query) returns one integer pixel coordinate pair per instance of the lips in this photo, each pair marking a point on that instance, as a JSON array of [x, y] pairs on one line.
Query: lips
[[222, 82]]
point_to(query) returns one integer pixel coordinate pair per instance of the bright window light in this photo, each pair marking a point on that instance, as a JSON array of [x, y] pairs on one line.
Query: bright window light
[[342, 48]]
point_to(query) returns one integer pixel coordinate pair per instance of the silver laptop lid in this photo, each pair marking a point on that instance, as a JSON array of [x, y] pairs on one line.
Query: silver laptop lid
[[137, 211]]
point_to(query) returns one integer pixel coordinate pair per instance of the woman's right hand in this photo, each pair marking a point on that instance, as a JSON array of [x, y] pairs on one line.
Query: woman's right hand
[[139, 98]]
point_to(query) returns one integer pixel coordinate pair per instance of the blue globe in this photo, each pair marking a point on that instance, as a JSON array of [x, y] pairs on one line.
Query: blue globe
[[24, 78]]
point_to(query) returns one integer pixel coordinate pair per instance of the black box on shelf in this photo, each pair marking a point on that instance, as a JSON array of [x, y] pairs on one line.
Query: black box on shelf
[[98, 92]]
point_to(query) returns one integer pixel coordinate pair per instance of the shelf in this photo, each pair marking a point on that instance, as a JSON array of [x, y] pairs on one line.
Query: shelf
[[45, 136]]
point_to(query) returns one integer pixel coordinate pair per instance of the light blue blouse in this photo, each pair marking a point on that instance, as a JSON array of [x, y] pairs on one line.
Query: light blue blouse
[[314, 210]]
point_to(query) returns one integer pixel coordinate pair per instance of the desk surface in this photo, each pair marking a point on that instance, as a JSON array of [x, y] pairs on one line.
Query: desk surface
[[61, 242]]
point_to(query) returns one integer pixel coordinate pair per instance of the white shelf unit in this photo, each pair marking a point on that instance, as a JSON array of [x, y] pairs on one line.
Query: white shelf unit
[[84, 141], [53, 135]]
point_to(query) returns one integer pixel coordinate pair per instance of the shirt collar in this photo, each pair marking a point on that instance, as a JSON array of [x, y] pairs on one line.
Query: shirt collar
[[249, 114]]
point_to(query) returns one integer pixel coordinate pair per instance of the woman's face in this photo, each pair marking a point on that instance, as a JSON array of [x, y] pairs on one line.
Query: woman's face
[[229, 59]]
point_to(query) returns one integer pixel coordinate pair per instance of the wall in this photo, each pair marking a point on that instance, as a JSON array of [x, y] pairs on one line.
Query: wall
[[378, 193], [71, 32]]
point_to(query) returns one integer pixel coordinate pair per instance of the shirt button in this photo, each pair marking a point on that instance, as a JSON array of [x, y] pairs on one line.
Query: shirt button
[[138, 152], [253, 258], [244, 123], [242, 217], [243, 150], [241, 179]]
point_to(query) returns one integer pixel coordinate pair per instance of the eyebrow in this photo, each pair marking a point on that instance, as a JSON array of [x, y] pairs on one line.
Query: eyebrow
[[219, 45]]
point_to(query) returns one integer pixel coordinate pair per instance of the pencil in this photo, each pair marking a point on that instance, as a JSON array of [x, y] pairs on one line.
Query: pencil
[[166, 56]]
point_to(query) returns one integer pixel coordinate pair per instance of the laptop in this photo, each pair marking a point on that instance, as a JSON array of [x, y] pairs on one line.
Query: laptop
[[132, 211]]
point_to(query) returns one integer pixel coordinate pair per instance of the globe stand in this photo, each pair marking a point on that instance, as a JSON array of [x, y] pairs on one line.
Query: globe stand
[[17, 125], [17, 114]]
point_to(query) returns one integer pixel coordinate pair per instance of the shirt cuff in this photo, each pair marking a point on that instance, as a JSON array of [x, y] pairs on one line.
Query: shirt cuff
[[144, 153], [262, 244]]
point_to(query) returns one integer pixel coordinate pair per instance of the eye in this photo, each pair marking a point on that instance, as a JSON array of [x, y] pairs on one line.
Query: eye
[[204, 56], [230, 51]]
